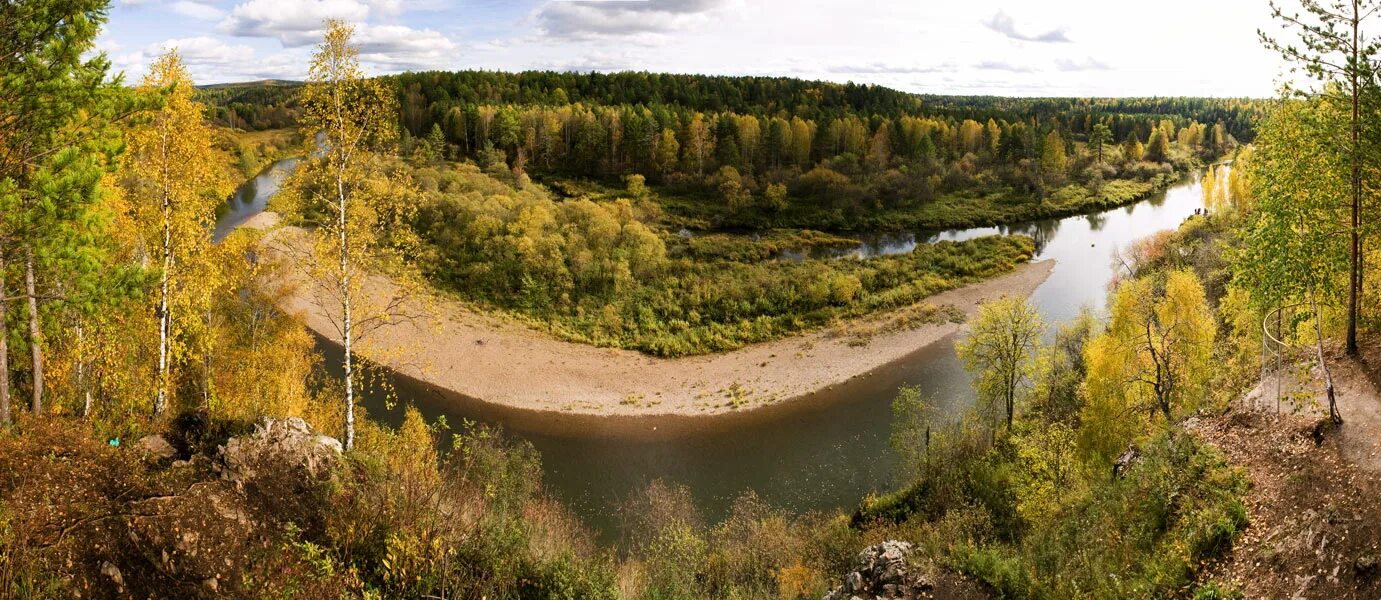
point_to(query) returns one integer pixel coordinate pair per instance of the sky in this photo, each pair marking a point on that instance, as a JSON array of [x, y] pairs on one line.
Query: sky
[[1012, 48]]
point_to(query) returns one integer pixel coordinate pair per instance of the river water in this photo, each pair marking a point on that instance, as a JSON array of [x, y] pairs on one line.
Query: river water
[[251, 198], [822, 452]]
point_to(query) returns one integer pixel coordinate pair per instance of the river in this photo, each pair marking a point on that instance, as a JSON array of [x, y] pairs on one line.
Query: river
[[822, 452]]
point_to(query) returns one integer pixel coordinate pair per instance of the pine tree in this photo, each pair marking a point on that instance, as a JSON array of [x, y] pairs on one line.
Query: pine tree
[[1098, 138], [1337, 53], [55, 108]]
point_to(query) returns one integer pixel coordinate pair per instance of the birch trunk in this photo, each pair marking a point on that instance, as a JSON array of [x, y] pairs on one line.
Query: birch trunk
[[35, 333], [1333, 413], [347, 333], [81, 371], [160, 401]]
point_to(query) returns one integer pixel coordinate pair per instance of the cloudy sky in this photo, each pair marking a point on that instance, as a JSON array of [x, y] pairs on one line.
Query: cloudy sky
[[1025, 48]]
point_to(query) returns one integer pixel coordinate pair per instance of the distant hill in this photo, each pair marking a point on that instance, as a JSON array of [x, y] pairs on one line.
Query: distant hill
[[252, 105]]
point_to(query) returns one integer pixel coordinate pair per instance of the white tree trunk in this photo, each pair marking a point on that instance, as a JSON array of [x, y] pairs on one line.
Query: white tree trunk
[[35, 332], [347, 333], [206, 363], [160, 401]]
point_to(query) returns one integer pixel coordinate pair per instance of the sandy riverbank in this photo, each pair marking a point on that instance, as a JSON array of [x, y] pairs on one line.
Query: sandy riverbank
[[496, 360]]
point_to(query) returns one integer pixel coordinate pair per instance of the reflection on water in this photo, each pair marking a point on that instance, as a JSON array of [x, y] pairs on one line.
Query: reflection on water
[[818, 453], [1041, 231], [251, 198]]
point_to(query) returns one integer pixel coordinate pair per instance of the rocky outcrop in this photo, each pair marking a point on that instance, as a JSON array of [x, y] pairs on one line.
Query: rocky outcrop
[[206, 536], [279, 443], [881, 571]]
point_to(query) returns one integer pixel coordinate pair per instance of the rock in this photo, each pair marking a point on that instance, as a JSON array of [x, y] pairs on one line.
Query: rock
[[880, 571], [332, 443], [854, 582], [1126, 461], [113, 572], [156, 446], [278, 443]]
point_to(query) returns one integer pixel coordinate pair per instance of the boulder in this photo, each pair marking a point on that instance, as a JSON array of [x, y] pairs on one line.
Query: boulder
[[279, 443], [881, 571], [156, 446], [113, 572]]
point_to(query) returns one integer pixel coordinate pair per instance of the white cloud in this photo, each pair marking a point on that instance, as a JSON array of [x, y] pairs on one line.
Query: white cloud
[[390, 47], [211, 60], [1042, 47], [204, 51], [1087, 64], [880, 67], [396, 47], [197, 10], [1002, 65], [601, 18], [291, 23], [1003, 23]]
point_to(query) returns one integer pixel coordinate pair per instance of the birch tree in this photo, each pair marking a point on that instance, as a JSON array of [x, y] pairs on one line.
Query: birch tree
[[358, 210], [1153, 360], [1298, 194], [1001, 349], [173, 169]]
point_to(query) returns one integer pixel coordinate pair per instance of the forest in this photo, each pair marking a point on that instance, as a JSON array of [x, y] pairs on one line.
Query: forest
[[169, 428], [777, 152]]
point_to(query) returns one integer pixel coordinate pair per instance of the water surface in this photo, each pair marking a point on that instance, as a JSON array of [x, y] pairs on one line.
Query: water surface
[[251, 198]]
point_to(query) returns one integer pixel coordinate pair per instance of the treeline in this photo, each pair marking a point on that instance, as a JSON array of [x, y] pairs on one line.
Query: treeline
[[666, 141], [1238, 116], [596, 124], [789, 97], [612, 123], [252, 107], [712, 93]]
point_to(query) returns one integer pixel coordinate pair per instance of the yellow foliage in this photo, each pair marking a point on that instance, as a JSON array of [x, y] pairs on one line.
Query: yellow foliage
[[799, 581], [1154, 358]]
